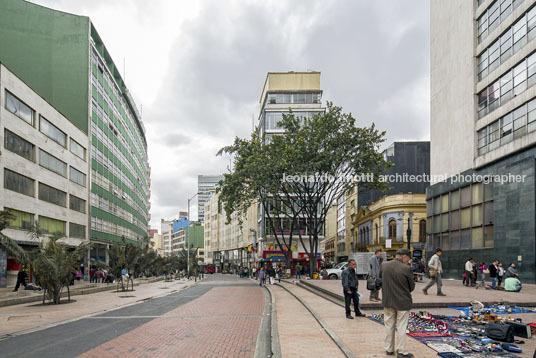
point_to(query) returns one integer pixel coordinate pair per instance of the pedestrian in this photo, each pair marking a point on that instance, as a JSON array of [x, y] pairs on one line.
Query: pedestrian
[[375, 263], [271, 275], [350, 284], [255, 272], [298, 269], [278, 273], [500, 274], [512, 284], [435, 269], [511, 272], [469, 272], [78, 275], [91, 274], [493, 272], [397, 285], [99, 275], [262, 276], [483, 269], [475, 271], [21, 279]]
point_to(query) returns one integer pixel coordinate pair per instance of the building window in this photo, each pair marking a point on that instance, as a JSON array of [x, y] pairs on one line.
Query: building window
[[78, 231], [422, 230], [511, 84], [51, 226], [77, 204], [19, 108], [296, 98], [392, 229], [19, 146], [52, 132], [77, 176], [19, 183], [52, 163], [492, 17], [52, 195], [511, 126], [510, 42], [378, 233], [21, 220], [77, 149]]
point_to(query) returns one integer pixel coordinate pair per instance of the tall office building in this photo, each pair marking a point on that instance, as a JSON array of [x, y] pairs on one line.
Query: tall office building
[[283, 92], [62, 57], [43, 171], [206, 185], [483, 122]]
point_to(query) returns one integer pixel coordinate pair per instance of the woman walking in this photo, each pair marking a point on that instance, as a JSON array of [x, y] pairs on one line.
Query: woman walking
[[483, 268]]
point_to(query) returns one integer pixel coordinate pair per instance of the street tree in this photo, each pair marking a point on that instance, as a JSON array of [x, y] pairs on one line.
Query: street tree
[[306, 168]]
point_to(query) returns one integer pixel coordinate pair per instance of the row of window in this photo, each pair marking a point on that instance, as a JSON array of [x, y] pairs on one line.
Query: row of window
[[494, 15], [25, 149], [473, 194], [509, 85], [109, 227], [97, 152], [365, 236], [294, 98], [476, 215], [112, 208], [511, 126], [111, 187], [24, 112], [511, 41], [474, 238], [272, 119], [24, 185], [23, 220]]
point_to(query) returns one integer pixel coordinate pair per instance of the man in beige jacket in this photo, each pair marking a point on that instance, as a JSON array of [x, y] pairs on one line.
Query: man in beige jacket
[[435, 270]]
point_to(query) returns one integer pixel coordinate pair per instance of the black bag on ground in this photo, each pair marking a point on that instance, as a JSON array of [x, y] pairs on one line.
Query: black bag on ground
[[371, 284], [500, 332]]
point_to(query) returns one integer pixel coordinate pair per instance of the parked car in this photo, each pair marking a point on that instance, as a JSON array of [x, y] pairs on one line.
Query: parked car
[[336, 272]]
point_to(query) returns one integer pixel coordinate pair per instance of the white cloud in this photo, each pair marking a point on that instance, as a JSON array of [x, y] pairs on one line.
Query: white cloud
[[198, 67]]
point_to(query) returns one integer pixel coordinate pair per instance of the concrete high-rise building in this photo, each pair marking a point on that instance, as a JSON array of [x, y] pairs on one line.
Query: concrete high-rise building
[[483, 124], [63, 58], [43, 170], [283, 92], [206, 185]]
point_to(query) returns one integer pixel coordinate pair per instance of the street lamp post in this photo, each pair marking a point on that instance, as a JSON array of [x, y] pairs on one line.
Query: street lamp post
[[188, 238]]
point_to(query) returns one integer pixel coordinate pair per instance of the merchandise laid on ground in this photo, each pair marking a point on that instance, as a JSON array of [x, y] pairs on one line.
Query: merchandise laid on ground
[[478, 332]]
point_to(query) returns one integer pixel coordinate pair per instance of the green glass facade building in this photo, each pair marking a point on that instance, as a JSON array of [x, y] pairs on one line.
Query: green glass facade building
[[63, 58]]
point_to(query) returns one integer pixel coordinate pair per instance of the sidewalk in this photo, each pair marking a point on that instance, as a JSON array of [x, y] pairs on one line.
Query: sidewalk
[[457, 294], [30, 316], [301, 336], [9, 298]]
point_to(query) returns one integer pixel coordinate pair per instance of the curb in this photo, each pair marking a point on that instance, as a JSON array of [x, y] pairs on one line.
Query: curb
[[276, 345], [338, 297], [263, 346], [83, 291]]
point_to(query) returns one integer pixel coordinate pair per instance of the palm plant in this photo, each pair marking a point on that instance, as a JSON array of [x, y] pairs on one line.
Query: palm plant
[[54, 264]]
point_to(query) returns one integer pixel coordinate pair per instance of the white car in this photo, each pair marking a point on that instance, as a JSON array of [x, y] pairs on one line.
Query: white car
[[336, 272]]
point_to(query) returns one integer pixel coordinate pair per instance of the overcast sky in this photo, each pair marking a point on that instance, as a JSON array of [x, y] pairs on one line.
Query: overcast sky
[[197, 69]]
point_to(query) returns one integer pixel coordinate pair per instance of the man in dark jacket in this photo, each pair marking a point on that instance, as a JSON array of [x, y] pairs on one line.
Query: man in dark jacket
[[349, 284], [397, 285], [21, 279], [493, 268]]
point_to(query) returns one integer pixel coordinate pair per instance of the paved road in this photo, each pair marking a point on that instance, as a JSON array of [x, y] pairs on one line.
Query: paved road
[[219, 317]]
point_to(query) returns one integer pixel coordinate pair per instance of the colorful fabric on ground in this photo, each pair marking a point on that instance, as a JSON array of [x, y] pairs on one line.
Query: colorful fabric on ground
[[499, 309]]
